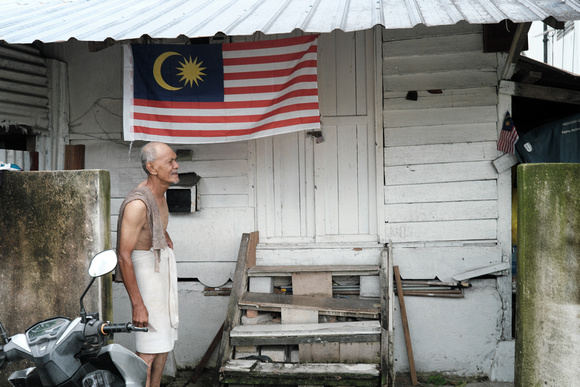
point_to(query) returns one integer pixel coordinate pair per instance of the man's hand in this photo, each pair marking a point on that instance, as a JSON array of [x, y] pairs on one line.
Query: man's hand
[[169, 241], [140, 316]]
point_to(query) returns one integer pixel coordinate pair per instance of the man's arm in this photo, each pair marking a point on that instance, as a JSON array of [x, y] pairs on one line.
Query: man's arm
[[134, 218]]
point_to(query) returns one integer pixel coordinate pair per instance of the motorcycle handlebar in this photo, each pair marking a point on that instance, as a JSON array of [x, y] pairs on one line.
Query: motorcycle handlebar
[[107, 329]]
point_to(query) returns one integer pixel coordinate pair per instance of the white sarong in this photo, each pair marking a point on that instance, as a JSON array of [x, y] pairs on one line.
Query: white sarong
[[159, 293]]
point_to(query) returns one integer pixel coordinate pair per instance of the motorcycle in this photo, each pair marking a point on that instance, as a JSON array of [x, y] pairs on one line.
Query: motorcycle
[[75, 353]]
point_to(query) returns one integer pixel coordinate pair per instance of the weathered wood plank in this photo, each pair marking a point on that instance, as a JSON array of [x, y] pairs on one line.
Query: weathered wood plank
[[443, 262], [442, 80], [349, 149], [539, 92], [312, 284], [327, 74], [462, 230], [443, 134], [223, 151], [215, 168], [325, 305], [405, 325], [444, 116], [420, 30], [306, 254], [476, 60], [346, 66], [441, 192], [278, 374], [233, 185], [290, 334], [495, 268], [433, 45], [422, 212], [240, 283], [441, 153], [221, 201], [477, 96], [437, 173], [338, 270]]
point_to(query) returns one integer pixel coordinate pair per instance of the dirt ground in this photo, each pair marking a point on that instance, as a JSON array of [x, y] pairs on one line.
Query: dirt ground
[[183, 379]]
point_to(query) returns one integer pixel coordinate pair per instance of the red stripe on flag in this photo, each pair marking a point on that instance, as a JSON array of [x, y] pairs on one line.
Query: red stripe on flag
[[224, 119], [270, 88], [269, 74], [251, 60], [225, 132], [226, 105]]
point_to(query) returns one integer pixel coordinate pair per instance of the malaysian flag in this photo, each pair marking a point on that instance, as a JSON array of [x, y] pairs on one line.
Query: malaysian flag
[[508, 136], [220, 92]]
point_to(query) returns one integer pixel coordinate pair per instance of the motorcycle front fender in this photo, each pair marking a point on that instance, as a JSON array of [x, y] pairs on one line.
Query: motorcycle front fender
[[131, 367]]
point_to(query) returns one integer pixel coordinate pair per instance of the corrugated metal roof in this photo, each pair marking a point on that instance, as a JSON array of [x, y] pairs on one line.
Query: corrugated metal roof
[[96, 20]]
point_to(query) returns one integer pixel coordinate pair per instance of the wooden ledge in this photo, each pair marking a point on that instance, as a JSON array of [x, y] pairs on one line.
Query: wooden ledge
[[337, 270], [290, 334], [346, 307]]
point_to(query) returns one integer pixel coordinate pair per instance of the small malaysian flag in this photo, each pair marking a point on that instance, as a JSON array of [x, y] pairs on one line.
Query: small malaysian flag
[[508, 136]]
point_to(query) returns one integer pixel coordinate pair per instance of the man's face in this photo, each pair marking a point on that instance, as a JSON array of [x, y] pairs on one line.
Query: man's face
[[165, 164]]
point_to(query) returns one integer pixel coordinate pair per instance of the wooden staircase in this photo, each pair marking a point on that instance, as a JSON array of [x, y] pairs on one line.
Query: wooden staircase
[[318, 340]]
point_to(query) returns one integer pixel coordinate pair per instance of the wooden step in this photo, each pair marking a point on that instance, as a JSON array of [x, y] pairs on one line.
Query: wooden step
[[330, 306], [290, 334], [279, 374], [336, 270]]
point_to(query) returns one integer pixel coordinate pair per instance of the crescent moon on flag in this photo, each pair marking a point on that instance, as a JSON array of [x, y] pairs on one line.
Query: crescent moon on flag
[[157, 70]]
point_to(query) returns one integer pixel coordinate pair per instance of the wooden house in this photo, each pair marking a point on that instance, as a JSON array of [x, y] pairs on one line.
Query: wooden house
[[404, 173]]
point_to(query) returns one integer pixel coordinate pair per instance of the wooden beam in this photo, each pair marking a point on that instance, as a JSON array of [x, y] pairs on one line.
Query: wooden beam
[[544, 93], [386, 285], [74, 157], [346, 307], [473, 273], [337, 270], [515, 50], [239, 286], [405, 326]]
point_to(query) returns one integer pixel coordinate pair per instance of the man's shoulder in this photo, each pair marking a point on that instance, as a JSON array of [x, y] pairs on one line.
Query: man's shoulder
[[135, 203]]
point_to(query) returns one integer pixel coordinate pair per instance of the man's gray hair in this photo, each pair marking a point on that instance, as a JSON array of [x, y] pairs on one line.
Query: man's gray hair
[[148, 154]]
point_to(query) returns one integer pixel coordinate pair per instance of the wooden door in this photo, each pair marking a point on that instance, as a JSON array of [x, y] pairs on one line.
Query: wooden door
[[324, 189]]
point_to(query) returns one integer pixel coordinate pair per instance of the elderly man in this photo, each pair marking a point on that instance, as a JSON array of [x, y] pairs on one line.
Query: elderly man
[[146, 260]]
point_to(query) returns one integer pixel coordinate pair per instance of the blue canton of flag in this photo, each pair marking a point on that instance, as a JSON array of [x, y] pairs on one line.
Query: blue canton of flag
[[188, 73], [508, 136]]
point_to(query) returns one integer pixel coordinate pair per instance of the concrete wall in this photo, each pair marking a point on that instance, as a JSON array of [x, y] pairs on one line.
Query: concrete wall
[[51, 225], [548, 289]]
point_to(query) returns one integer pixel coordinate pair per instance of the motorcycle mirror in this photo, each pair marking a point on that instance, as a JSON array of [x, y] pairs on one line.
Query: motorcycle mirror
[[103, 263]]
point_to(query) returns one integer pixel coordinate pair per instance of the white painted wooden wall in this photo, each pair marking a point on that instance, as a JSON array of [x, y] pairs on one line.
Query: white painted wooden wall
[[441, 188], [446, 208]]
